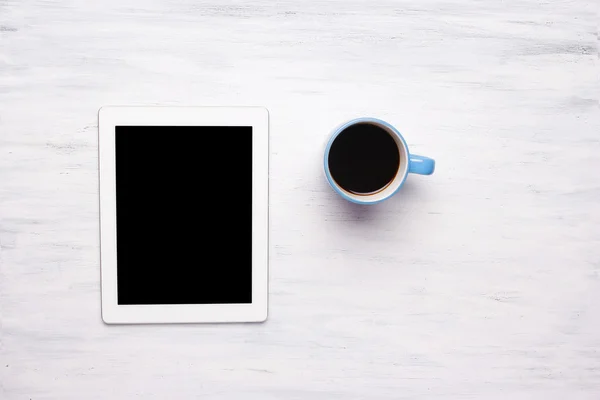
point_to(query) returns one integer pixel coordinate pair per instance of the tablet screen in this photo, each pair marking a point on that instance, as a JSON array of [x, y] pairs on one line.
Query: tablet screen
[[184, 214]]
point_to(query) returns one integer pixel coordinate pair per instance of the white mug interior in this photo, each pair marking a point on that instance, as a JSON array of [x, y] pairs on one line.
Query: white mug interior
[[390, 188]]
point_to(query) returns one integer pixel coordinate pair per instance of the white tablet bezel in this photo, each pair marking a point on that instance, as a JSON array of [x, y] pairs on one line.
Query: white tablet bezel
[[111, 116]]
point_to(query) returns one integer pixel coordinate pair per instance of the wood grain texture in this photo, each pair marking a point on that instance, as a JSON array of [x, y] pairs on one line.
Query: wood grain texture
[[481, 281]]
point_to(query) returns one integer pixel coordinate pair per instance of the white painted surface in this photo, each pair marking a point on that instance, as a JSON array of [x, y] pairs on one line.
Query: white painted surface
[[481, 281]]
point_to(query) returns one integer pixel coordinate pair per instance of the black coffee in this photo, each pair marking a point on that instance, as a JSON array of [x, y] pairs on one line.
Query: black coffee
[[363, 159]]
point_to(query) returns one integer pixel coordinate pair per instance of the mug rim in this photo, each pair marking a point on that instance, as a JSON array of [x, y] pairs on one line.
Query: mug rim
[[340, 129]]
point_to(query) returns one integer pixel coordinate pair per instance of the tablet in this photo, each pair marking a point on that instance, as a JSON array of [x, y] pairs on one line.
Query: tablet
[[183, 214]]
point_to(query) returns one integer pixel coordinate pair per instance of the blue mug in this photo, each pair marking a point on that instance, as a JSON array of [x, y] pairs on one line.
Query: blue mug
[[408, 163]]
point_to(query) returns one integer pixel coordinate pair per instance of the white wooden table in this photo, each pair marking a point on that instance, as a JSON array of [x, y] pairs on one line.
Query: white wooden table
[[481, 281]]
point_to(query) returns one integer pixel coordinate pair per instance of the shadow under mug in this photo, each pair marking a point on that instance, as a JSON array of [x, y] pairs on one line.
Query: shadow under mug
[[409, 163]]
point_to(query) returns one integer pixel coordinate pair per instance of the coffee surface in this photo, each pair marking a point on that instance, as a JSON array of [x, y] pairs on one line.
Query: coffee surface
[[363, 159]]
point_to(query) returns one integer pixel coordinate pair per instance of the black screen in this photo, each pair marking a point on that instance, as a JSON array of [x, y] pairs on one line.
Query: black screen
[[184, 214]]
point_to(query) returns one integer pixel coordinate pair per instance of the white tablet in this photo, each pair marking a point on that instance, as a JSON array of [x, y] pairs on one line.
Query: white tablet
[[183, 214]]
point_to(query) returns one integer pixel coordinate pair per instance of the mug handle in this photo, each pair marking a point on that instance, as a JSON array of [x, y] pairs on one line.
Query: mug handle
[[421, 165]]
